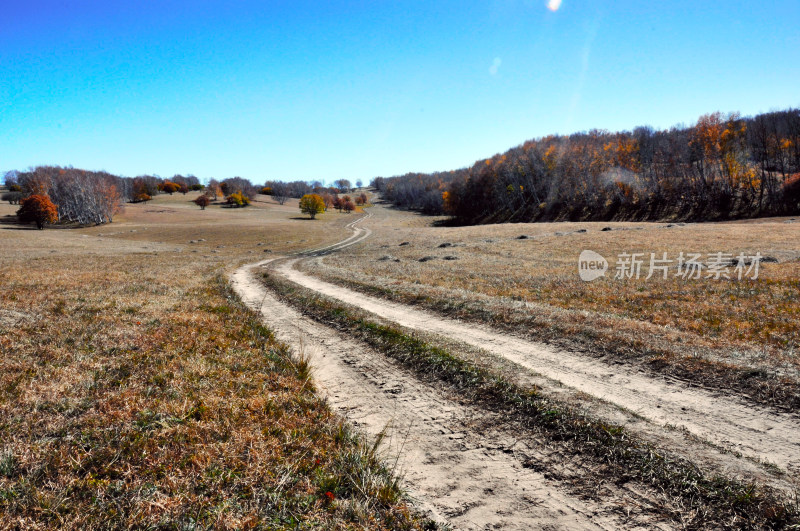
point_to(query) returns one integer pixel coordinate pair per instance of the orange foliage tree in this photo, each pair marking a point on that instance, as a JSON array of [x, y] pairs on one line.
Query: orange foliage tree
[[169, 187], [38, 209]]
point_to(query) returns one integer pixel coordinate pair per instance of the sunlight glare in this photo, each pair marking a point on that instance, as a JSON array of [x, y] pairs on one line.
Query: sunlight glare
[[553, 5]]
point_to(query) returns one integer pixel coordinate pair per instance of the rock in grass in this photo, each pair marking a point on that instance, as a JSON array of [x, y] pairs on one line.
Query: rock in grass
[[581, 230], [523, 237], [449, 257], [445, 244], [404, 243], [606, 229], [427, 258]]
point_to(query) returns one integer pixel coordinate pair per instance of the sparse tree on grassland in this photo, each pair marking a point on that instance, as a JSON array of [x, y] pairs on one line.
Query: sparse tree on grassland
[[169, 187], [237, 199], [312, 204], [329, 199], [280, 193], [202, 201]]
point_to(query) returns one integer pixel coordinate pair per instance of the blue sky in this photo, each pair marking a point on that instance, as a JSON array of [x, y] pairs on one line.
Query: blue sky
[[306, 90]]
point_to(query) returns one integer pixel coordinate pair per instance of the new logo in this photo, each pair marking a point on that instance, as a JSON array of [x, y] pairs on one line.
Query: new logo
[[591, 266]]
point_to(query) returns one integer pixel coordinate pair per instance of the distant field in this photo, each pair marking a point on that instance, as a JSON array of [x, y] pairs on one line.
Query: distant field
[[135, 390], [691, 327]]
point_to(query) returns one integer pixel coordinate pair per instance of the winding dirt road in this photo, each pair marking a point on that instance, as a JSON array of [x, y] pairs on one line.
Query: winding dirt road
[[461, 470]]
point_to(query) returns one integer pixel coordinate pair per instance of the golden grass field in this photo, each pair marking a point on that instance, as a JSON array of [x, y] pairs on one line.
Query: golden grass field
[[136, 391], [532, 285]]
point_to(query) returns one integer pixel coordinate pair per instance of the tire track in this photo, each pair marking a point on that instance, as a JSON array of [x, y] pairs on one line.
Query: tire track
[[725, 421], [458, 463]]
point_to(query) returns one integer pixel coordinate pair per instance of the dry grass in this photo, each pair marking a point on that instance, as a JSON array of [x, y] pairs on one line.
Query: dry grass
[[532, 286], [135, 391], [603, 452]]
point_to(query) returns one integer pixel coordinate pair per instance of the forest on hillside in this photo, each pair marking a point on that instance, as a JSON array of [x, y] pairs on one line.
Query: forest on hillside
[[722, 167]]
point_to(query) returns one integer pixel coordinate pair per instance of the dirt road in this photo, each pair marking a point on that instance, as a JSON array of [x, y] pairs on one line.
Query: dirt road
[[457, 463], [462, 472], [729, 423]]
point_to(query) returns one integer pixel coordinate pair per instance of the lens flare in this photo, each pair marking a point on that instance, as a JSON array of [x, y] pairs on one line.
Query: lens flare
[[553, 5]]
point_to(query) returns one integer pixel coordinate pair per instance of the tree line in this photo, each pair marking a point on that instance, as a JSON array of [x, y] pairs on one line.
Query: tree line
[[722, 167], [52, 194]]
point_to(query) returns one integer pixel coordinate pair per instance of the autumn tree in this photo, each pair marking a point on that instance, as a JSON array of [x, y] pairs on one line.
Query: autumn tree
[[202, 201], [140, 191], [169, 187], [329, 199], [312, 204], [214, 188], [238, 185], [81, 196], [237, 199], [348, 207], [143, 188], [37, 209]]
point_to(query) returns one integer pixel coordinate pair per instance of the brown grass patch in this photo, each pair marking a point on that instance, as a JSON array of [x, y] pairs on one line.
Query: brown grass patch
[[531, 286], [135, 391]]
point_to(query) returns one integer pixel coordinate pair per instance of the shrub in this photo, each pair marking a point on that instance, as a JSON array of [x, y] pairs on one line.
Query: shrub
[[38, 209], [141, 197], [203, 201], [169, 187], [312, 204], [237, 199], [267, 190]]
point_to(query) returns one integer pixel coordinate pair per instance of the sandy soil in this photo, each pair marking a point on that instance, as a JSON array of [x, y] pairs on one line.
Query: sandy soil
[[461, 464]]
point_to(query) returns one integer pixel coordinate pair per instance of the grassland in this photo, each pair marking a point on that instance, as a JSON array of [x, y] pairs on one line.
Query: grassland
[[740, 335], [681, 493], [135, 390]]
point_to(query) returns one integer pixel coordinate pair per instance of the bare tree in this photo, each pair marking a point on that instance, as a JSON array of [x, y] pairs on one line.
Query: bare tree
[[343, 185], [280, 192]]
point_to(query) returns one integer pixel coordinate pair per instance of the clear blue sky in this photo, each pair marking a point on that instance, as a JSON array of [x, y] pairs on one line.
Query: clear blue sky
[[305, 90]]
